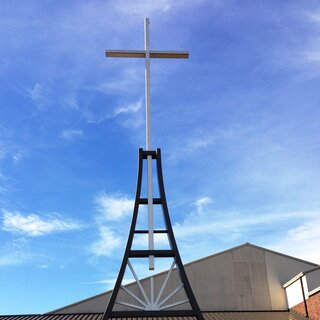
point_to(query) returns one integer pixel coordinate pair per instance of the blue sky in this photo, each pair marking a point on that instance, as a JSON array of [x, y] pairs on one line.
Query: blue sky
[[238, 125]]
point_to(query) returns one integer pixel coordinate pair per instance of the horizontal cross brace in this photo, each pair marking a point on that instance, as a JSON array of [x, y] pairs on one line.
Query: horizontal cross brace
[[149, 153], [155, 201], [147, 253], [154, 231], [142, 54], [163, 313]]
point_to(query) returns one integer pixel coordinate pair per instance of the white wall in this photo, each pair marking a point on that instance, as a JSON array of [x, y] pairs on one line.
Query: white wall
[[294, 294]]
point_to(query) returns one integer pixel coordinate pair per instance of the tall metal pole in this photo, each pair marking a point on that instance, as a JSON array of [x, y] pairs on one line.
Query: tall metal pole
[[148, 142], [147, 82]]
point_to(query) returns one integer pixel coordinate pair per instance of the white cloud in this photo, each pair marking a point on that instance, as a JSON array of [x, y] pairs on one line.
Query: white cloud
[[312, 56], [129, 79], [143, 7], [199, 141], [107, 242], [196, 143], [3, 189], [131, 108], [139, 6], [211, 221], [200, 203], [10, 150], [15, 252], [36, 93], [109, 283], [33, 225], [302, 241], [71, 102], [161, 241], [113, 207], [132, 117], [314, 16], [39, 95], [71, 134], [16, 157], [212, 227], [136, 118]]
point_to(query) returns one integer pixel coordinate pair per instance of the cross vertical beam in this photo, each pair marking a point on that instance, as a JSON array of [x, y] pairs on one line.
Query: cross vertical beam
[[147, 82], [148, 143]]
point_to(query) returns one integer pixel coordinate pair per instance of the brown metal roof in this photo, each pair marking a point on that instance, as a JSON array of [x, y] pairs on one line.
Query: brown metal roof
[[243, 315]]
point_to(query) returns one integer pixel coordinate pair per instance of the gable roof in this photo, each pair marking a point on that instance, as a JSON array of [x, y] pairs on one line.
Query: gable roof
[[247, 244]]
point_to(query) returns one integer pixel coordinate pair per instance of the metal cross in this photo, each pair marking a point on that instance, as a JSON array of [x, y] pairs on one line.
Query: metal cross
[[147, 54]]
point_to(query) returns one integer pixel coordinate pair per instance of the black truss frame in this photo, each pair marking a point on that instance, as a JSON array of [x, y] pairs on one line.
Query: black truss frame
[[195, 310]]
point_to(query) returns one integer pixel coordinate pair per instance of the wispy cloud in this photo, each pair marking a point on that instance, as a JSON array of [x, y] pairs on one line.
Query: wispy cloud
[[111, 211], [202, 202], [314, 16], [129, 115], [312, 56], [38, 95], [108, 241], [131, 108], [10, 150], [71, 134], [109, 283], [139, 6], [127, 81], [197, 141], [113, 207], [33, 225], [15, 252], [142, 8], [17, 156], [214, 226], [141, 241], [207, 221], [302, 241]]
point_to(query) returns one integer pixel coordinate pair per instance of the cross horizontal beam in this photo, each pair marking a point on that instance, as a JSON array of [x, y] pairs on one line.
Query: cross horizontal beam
[[147, 253], [145, 201], [142, 54], [154, 231]]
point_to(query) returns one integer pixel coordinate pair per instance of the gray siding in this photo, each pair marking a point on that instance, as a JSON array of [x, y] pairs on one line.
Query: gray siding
[[245, 278]]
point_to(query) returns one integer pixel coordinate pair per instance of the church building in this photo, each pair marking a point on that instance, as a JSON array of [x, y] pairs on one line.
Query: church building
[[244, 282]]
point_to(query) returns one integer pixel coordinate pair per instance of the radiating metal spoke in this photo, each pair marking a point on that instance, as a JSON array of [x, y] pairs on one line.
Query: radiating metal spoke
[[171, 295], [174, 304], [134, 306], [138, 282], [152, 290], [165, 282], [133, 295]]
